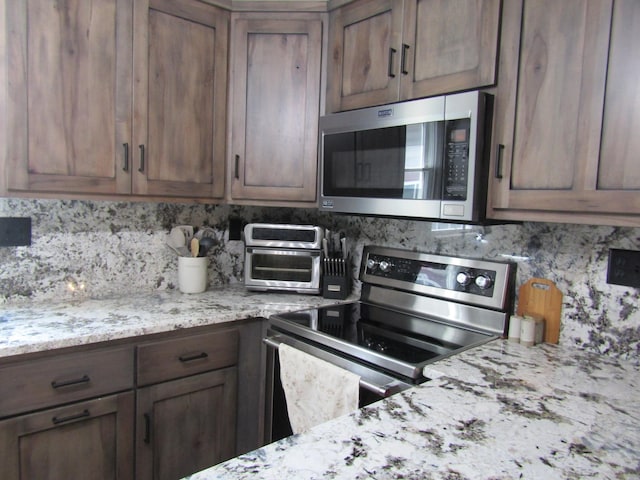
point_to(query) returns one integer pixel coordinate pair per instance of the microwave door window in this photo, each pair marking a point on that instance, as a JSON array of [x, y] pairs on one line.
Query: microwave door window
[[367, 163], [423, 161]]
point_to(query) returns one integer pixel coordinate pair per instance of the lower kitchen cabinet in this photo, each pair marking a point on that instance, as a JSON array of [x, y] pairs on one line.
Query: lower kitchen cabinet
[[156, 407], [89, 439], [186, 425]]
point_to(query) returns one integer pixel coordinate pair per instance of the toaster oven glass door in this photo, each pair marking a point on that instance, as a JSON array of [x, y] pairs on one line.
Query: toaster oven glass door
[[282, 269]]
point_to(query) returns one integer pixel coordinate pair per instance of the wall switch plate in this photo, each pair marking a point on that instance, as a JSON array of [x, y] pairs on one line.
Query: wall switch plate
[[624, 268], [235, 228], [15, 231]]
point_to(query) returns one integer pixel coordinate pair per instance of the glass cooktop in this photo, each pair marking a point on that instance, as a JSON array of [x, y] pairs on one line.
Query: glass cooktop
[[386, 332]]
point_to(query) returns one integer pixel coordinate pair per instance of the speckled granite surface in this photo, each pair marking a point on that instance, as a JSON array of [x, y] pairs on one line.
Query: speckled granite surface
[[115, 248], [500, 411], [28, 328]]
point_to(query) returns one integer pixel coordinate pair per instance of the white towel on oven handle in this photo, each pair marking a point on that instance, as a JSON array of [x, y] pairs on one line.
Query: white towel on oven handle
[[316, 391]]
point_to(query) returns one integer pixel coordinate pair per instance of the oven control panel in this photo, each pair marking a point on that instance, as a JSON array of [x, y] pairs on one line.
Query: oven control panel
[[459, 278]]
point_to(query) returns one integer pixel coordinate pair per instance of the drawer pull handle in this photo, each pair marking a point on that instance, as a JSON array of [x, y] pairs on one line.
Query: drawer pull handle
[[69, 383], [59, 420], [190, 358]]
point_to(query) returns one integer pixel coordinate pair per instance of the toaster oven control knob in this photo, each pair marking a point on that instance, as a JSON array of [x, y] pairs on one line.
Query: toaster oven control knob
[[371, 264], [483, 281], [463, 278], [385, 266]]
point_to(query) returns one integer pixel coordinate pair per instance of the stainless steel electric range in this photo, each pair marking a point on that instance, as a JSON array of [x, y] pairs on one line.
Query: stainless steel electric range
[[415, 308]]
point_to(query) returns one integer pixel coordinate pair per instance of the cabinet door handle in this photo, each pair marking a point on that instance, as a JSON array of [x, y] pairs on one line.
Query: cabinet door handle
[[403, 59], [392, 52], [191, 358], [237, 169], [69, 383], [59, 420], [125, 164], [499, 150], [141, 169], [147, 428]]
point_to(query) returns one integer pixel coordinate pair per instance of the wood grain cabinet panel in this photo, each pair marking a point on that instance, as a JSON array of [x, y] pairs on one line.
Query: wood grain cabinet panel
[[69, 95], [65, 378], [116, 97], [90, 439], [174, 358], [275, 106], [179, 94], [186, 425], [565, 110], [383, 51]]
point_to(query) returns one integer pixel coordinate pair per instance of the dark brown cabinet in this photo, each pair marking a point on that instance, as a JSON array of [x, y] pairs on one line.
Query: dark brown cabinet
[[116, 97], [74, 427], [71, 415], [89, 439], [564, 144], [186, 425], [383, 51], [186, 419]]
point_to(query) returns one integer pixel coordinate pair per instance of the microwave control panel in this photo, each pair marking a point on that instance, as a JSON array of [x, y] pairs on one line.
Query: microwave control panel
[[456, 159]]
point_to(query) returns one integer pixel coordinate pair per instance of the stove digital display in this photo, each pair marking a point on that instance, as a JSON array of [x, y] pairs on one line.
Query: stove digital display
[[436, 275]]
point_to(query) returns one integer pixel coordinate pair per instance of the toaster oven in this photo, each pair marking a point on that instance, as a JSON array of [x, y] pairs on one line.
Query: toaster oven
[[283, 257]]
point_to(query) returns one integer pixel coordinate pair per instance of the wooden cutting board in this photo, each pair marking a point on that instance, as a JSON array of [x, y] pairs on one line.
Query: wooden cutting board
[[539, 296]]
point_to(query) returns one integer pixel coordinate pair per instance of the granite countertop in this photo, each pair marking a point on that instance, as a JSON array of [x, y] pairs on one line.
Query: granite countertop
[[31, 327], [499, 411]]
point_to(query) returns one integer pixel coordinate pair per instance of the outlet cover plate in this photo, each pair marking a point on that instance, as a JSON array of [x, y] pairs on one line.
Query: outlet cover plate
[[624, 268], [15, 231]]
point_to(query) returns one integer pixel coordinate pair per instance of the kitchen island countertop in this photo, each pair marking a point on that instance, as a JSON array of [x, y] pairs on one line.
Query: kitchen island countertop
[[499, 411], [27, 327]]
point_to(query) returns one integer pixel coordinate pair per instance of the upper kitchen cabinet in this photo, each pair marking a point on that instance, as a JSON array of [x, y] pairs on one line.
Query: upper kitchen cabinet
[[116, 97], [382, 51], [275, 106], [69, 69], [567, 102], [179, 97]]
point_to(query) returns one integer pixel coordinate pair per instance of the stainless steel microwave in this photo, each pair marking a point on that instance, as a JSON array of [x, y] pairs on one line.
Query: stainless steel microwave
[[422, 159]]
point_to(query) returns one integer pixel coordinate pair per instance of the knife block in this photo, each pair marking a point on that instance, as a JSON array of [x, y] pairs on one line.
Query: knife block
[[336, 278]]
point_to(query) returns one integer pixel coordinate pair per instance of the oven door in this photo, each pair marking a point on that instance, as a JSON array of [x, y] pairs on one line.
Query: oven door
[[374, 385], [282, 269]]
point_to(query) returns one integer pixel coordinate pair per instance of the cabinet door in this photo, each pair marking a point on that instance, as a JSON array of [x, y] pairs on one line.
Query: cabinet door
[[69, 95], [364, 57], [619, 168], [550, 95], [448, 45], [92, 439], [180, 62], [186, 425], [275, 107]]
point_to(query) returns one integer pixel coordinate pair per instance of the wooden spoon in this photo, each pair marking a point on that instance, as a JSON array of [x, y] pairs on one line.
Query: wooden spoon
[[195, 247]]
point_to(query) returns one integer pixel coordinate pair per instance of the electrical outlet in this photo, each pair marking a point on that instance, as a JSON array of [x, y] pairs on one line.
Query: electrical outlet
[[15, 231], [624, 268]]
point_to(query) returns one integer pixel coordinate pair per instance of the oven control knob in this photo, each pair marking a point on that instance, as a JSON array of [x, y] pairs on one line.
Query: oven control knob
[[483, 281], [385, 266], [463, 278]]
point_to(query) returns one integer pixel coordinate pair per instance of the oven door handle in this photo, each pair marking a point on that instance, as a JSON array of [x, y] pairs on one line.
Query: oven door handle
[[381, 390]]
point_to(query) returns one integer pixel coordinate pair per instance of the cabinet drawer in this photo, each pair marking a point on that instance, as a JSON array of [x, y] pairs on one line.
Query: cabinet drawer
[[64, 378], [174, 358]]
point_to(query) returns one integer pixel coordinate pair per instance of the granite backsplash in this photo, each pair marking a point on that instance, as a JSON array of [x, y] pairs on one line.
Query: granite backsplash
[[95, 249]]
